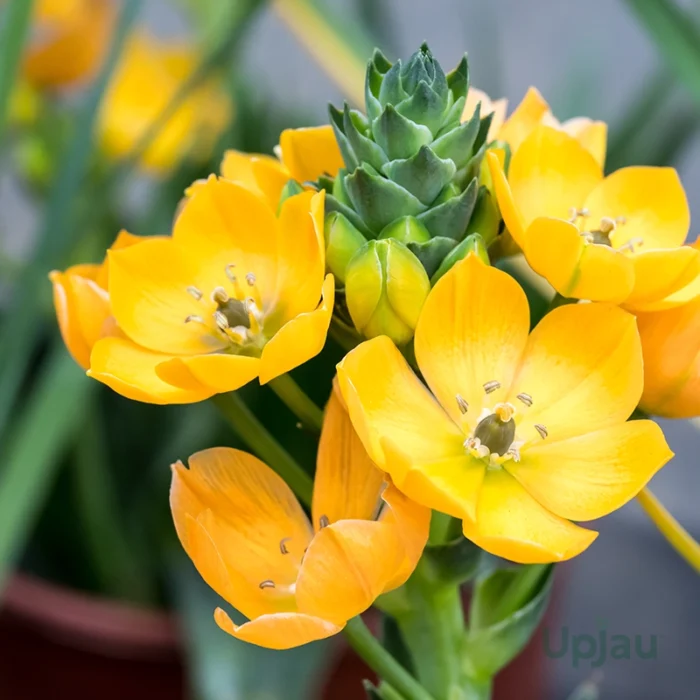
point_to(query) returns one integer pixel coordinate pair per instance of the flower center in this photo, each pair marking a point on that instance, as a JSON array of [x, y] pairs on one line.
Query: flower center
[[496, 433], [603, 235]]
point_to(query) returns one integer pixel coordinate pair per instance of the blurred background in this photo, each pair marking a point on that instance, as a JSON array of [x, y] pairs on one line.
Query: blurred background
[[110, 117]]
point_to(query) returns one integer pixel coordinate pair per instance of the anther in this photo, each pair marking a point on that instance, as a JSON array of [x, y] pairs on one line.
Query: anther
[[491, 386], [323, 521], [621, 220], [630, 245], [283, 545], [229, 271], [525, 398], [250, 279], [541, 430], [221, 320], [219, 295], [193, 291], [575, 214], [193, 318], [607, 225], [504, 411], [267, 584], [463, 405]]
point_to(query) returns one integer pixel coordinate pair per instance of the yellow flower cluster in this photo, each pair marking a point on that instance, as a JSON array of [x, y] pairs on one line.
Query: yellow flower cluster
[[518, 433]]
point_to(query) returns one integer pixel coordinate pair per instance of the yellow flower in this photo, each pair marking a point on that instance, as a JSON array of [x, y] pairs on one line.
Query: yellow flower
[[148, 76], [617, 239], [671, 347], [252, 543], [232, 295], [82, 305], [520, 435], [532, 112], [304, 154], [68, 42]]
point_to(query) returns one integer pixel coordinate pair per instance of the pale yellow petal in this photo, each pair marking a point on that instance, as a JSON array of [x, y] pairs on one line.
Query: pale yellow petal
[[310, 152]]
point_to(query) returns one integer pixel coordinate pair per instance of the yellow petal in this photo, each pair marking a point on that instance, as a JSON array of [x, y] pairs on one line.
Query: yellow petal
[[671, 347], [412, 522], [661, 273], [124, 239], [488, 106], [148, 293], [82, 308], [279, 631], [224, 223], [299, 339], [131, 371], [347, 484], [652, 202], [473, 309], [512, 216], [450, 485], [556, 250], [310, 152], [592, 135], [386, 400], [583, 370], [550, 174], [260, 173], [219, 372], [347, 565], [513, 525], [526, 117], [587, 477]]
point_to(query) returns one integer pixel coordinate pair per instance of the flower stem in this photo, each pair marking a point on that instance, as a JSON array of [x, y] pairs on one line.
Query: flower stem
[[296, 400], [382, 662], [677, 536], [261, 441]]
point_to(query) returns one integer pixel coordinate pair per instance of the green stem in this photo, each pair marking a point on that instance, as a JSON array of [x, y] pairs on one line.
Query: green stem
[[382, 662], [559, 300], [293, 396], [521, 591], [260, 441]]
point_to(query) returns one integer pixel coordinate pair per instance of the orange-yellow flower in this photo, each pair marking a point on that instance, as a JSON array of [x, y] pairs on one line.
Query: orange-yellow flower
[[617, 239], [532, 112], [235, 293], [520, 435], [252, 543], [69, 41], [671, 347], [148, 76], [304, 154], [82, 305]]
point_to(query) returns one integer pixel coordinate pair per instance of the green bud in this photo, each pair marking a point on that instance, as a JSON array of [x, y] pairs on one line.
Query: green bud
[[451, 218], [289, 190], [407, 229], [472, 244], [343, 240], [385, 288], [486, 219]]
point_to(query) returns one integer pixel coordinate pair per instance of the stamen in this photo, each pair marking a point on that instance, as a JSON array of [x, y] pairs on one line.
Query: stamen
[[514, 452], [621, 220], [219, 295], [575, 214], [229, 272], [221, 320], [193, 318], [525, 398], [250, 279], [323, 521], [283, 545], [492, 386], [607, 225], [542, 430], [463, 405], [196, 293], [631, 244], [267, 584]]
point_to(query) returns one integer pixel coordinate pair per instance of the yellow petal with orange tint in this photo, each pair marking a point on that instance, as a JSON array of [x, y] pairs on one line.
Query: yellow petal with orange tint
[[513, 525], [346, 567], [582, 368], [526, 117], [347, 484], [488, 106], [300, 339], [260, 173], [587, 477], [651, 202], [592, 135], [310, 152], [386, 400], [512, 216], [220, 372], [556, 250], [130, 370], [473, 309], [278, 631]]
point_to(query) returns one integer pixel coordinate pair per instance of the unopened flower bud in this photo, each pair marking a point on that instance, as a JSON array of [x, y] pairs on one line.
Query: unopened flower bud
[[343, 240], [472, 244], [407, 229], [385, 287]]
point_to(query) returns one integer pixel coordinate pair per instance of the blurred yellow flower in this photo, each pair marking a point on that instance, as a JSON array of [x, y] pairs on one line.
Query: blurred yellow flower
[[235, 293], [521, 434], [532, 112], [303, 154], [69, 40], [148, 76], [617, 239], [82, 305], [252, 543]]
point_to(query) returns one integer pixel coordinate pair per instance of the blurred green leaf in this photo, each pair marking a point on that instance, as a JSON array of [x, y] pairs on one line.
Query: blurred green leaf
[[677, 38], [42, 432], [12, 38], [225, 668], [57, 233]]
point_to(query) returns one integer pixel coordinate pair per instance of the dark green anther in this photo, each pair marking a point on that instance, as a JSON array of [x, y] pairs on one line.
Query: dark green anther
[[496, 434]]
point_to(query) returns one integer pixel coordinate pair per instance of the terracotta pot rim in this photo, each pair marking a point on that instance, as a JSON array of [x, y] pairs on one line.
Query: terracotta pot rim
[[89, 621]]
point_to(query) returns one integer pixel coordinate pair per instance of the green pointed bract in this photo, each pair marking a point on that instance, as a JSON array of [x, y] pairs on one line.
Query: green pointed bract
[[433, 252], [471, 244], [424, 175], [451, 218]]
